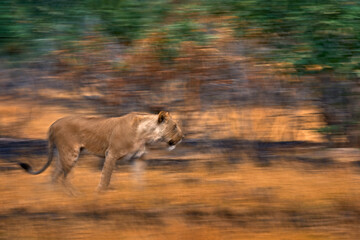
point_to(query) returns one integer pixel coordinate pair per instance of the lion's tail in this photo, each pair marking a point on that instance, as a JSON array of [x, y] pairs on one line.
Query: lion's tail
[[51, 146]]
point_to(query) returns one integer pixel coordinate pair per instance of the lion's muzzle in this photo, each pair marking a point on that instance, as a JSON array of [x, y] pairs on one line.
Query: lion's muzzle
[[173, 142]]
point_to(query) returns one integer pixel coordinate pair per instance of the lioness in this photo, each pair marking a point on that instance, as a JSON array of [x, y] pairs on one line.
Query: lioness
[[112, 138]]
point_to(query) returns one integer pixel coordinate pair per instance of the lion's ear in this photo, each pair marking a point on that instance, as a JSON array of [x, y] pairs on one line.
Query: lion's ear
[[163, 116]]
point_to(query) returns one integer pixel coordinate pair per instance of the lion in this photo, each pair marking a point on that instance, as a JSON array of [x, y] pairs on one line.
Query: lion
[[124, 137]]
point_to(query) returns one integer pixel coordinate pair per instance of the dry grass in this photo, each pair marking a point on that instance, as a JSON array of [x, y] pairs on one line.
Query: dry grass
[[26, 119], [259, 123], [196, 201], [29, 119]]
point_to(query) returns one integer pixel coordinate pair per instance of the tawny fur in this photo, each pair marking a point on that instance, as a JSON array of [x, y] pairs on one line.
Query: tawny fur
[[112, 138]]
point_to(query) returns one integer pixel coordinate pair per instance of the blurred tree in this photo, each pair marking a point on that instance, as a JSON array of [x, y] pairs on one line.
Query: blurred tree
[[307, 33], [314, 36]]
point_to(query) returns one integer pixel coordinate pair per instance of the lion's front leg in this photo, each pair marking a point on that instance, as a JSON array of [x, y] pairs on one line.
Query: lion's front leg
[[138, 169], [107, 170]]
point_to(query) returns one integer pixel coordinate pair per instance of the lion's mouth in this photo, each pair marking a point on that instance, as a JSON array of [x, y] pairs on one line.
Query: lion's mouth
[[172, 145]]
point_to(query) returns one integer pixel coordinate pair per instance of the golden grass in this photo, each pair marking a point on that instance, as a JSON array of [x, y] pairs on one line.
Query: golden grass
[[26, 119], [241, 201]]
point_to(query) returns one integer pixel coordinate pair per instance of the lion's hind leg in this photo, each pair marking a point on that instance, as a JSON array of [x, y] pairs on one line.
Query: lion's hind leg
[[67, 158], [57, 171]]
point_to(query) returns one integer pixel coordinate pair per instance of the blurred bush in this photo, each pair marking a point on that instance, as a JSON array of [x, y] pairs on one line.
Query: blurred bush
[[163, 39], [313, 36]]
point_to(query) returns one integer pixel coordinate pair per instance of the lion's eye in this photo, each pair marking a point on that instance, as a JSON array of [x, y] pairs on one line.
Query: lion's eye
[[175, 127]]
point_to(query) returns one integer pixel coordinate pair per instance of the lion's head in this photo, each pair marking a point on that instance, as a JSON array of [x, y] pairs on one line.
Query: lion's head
[[171, 133]]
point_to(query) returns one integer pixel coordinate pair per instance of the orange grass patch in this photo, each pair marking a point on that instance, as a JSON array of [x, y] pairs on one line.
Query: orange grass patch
[[239, 201]]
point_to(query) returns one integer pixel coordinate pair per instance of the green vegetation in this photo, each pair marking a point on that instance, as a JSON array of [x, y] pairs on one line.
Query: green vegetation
[[323, 32], [127, 19], [308, 33], [33, 26]]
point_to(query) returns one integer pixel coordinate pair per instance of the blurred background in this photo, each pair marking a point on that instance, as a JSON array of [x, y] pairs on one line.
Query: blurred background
[[266, 91]]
